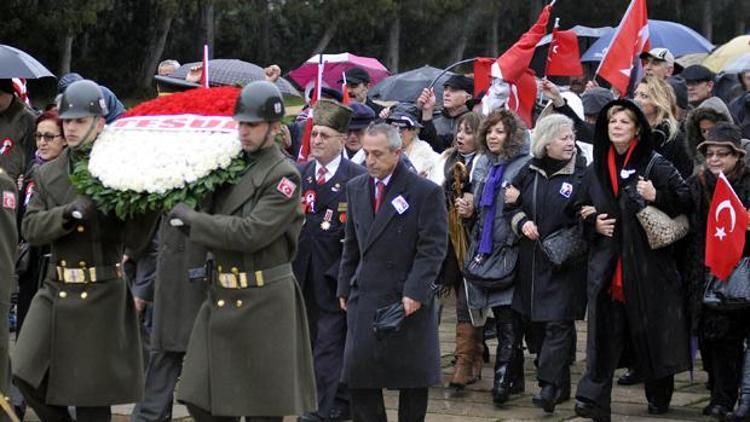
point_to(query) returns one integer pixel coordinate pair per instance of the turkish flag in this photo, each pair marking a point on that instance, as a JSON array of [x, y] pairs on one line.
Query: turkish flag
[[631, 38], [725, 231], [514, 62], [564, 58], [522, 97], [482, 71]]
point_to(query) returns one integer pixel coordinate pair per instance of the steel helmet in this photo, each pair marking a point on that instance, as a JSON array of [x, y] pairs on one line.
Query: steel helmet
[[259, 101], [82, 99]]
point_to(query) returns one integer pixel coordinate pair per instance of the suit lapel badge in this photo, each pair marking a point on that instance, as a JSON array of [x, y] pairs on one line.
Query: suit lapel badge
[[400, 204]]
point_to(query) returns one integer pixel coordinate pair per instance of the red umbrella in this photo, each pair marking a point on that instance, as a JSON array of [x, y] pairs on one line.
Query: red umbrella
[[334, 67]]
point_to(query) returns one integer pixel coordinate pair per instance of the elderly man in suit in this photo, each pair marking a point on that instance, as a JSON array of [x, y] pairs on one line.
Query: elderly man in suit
[[316, 265], [396, 239]]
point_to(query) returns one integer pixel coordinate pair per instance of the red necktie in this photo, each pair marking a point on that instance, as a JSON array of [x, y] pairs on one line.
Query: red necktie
[[321, 180], [379, 191]]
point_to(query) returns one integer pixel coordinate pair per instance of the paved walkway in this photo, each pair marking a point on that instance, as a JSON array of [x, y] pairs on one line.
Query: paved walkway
[[475, 405]]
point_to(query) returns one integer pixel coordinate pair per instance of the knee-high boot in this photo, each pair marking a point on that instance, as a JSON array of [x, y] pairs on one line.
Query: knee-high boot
[[506, 359]]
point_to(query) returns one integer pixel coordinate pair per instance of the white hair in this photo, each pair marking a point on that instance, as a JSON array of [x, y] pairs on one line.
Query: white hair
[[546, 130], [390, 132]]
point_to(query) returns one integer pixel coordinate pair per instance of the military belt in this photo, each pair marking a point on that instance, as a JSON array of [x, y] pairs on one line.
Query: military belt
[[240, 280], [88, 274]]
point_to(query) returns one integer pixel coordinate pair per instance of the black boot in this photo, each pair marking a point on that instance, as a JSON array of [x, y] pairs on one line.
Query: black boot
[[506, 346], [517, 379], [547, 397]]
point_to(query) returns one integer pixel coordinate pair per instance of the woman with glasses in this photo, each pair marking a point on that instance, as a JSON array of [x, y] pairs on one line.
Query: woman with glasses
[[29, 268], [720, 333]]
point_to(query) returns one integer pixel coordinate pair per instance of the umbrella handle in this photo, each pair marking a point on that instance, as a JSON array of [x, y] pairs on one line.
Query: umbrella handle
[[448, 69]]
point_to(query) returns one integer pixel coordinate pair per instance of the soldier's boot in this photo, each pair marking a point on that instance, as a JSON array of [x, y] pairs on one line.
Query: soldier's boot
[[463, 370]]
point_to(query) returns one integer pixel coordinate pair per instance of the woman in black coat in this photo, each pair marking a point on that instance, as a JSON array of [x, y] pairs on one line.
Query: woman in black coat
[[721, 333], [551, 297], [636, 310]]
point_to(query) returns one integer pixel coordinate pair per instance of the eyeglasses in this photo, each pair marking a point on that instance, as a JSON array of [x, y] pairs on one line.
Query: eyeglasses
[[718, 154], [324, 136], [48, 137]]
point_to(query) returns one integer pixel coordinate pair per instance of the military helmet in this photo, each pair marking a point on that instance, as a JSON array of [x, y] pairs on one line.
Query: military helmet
[[259, 101], [82, 99]]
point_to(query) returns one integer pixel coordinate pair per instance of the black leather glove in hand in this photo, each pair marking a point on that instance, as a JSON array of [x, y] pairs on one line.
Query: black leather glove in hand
[[83, 208], [180, 217]]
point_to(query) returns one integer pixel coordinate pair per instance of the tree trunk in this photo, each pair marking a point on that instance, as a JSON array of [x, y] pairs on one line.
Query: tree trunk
[[154, 51], [265, 40], [66, 53], [678, 6], [325, 39], [707, 24], [740, 22], [471, 22], [493, 48], [394, 39]]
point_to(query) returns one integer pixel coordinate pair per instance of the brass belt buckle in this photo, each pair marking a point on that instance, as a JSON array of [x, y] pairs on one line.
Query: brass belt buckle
[[228, 280], [74, 275]]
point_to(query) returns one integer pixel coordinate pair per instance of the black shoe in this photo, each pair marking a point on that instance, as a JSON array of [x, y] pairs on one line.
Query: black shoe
[[501, 387], [547, 398], [742, 414], [338, 414], [310, 417], [716, 411], [656, 409], [630, 377], [588, 410]]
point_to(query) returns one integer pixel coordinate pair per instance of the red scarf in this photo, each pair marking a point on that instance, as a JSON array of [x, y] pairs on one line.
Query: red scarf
[[616, 290]]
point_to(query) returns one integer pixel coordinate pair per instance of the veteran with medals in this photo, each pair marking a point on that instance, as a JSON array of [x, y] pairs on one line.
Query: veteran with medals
[[249, 352], [316, 265]]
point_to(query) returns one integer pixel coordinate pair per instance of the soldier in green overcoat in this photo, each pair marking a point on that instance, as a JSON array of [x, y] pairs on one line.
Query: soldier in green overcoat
[[8, 242], [80, 345], [249, 352]]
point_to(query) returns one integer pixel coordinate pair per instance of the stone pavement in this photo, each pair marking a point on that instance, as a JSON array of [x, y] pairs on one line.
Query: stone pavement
[[475, 404]]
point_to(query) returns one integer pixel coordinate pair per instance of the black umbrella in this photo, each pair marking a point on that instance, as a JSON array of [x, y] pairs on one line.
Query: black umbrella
[[406, 87], [15, 63], [222, 72]]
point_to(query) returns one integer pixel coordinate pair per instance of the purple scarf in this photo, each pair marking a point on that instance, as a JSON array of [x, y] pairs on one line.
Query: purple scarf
[[488, 202]]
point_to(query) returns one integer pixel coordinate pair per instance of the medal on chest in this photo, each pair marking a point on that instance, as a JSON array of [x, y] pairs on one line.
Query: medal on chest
[[325, 225]]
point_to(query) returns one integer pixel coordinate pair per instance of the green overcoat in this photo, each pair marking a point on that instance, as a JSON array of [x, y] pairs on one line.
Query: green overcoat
[[7, 264], [84, 335], [249, 352]]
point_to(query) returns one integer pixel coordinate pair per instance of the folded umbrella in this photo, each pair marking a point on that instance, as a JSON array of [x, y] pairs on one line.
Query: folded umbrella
[[15, 63]]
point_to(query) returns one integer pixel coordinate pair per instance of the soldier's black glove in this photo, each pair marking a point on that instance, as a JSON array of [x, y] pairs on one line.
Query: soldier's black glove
[[181, 217], [83, 208]]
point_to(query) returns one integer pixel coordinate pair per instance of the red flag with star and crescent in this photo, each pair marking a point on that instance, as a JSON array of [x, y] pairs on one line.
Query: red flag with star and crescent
[[564, 57], [629, 41], [725, 231]]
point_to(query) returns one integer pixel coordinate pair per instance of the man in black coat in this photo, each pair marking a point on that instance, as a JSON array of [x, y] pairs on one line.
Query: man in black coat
[[396, 239], [316, 265]]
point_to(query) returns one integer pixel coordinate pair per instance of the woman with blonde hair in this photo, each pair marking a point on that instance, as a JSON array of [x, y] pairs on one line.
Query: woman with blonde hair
[[658, 102]]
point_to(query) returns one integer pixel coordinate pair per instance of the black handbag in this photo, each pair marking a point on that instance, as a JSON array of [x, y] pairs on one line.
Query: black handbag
[[495, 270], [565, 245], [731, 294]]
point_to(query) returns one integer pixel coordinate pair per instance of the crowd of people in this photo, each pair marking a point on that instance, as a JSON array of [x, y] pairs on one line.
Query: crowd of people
[[306, 288]]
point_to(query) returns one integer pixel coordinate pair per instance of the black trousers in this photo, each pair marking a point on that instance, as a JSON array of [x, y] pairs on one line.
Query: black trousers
[[554, 342], [368, 406], [597, 388], [722, 338], [202, 415], [162, 372], [35, 397]]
